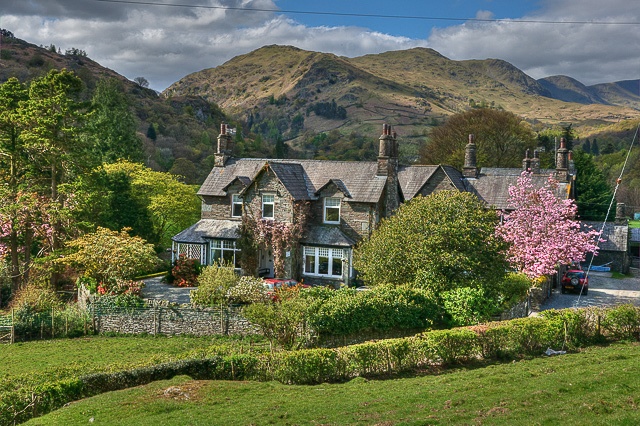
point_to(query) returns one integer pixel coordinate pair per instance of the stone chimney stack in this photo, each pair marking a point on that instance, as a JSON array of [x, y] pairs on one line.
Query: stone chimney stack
[[225, 146], [388, 167], [535, 162], [526, 162], [621, 219], [562, 162], [470, 169]]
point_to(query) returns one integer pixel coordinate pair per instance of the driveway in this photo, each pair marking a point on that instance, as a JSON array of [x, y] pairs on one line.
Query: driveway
[[155, 289], [603, 291]]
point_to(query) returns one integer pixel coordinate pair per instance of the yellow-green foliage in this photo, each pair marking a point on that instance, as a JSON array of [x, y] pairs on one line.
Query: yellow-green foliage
[[108, 255], [213, 284]]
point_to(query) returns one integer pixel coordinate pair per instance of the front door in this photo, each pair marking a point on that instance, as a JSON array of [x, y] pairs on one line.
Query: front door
[[266, 264]]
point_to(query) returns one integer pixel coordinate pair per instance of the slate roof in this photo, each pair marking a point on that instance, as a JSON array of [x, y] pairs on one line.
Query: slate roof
[[616, 236], [635, 235], [326, 236], [208, 228], [492, 185], [339, 184], [413, 178], [293, 178]]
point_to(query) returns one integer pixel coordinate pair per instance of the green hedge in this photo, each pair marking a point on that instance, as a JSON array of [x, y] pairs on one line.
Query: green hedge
[[568, 329]]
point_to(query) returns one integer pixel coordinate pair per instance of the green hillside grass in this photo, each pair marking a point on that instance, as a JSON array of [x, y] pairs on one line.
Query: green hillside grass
[[599, 386]]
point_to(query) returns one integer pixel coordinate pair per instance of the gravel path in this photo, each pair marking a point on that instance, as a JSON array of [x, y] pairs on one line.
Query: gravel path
[[603, 291], [155, 289]]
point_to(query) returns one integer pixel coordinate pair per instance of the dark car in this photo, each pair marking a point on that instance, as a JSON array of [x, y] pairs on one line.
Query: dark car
[[575, 280]]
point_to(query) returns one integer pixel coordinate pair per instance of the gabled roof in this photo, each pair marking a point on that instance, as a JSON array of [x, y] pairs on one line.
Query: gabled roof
[[302, 178], [338, 183], [208, 228], [242, 180], [492, 185], [413, 178], [293, 178]]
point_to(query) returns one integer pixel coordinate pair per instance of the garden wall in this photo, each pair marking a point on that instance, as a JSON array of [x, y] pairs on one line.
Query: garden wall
[[172, 321]]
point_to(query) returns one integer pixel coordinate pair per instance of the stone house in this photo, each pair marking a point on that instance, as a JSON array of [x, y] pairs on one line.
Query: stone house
[[344, 201]]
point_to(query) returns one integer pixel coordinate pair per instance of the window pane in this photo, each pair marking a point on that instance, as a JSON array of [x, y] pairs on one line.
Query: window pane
[[332, 214], [216, 243], [267, 210], [215, 256], [227, 244], [228, 257], [310, 264], [336, 266], [332, 202], [236, 206], [323, 265], [267, 198]]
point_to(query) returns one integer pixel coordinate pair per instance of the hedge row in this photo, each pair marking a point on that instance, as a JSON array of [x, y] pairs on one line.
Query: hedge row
[[568, 329]]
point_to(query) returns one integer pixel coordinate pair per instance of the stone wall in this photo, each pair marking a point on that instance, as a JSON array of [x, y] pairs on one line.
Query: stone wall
[[173, 321]]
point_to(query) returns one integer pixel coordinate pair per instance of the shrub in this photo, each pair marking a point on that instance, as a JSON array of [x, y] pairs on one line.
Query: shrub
[[247, 290], [622, 322], [467, 306], [185, 272], [213, 284], [281, 322]]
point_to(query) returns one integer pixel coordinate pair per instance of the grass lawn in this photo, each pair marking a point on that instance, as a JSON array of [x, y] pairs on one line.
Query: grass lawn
[[37, 361], [599, 386]]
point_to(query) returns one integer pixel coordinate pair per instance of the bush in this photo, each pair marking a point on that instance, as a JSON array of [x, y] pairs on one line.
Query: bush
[[622, 322], [281, 322], [347, 311], [247, 290], [213, 284], [467, 306], [185, 272]]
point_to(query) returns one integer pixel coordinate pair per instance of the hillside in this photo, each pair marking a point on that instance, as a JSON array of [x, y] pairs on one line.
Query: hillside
[[410, 89], [184, 127]]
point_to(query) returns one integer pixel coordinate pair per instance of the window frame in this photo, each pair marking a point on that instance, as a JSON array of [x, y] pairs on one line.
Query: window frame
[[312, 255], [271, 203], [325, 207], [236, 200], [219, 244]]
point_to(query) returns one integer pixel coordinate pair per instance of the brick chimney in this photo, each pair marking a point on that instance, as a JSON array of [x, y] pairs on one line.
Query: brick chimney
[[470, 169], [562, 162], [388, 167], [225, 146]]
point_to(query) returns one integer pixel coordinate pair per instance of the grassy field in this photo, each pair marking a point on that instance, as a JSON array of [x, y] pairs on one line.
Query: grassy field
[[38, 361], [599, 386]]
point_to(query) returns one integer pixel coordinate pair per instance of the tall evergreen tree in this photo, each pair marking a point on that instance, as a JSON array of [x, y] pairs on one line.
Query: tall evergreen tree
[[595, 149], [111, 125], [593, 193], [586, 147]]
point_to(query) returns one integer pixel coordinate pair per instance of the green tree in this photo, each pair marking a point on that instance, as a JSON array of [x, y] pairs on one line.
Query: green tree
[[111, 126], [501, 138], [443, 241], [171, 205], [214, 282], [13, 169], [593, 193], [108, 256], [53, 118]]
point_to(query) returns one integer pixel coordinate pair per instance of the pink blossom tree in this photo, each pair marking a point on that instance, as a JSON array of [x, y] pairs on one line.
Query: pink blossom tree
[[542, 229]]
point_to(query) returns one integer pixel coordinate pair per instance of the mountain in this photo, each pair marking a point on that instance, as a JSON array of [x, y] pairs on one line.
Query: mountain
[[184, 127], [411, 89]]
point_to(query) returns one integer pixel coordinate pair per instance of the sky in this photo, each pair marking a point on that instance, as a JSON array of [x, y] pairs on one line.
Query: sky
[[593, 41]]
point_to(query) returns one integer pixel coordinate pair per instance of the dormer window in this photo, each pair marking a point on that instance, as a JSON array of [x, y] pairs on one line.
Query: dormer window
[[268, 204], [332, 210], [236, 206]]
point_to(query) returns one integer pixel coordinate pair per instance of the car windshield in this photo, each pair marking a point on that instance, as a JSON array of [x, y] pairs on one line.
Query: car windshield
[[575, 274]]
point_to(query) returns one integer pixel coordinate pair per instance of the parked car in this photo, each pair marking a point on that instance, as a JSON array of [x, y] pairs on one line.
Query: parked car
[[575, 280], [272, 284]]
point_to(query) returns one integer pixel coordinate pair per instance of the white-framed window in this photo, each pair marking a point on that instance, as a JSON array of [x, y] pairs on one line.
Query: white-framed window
[[268, 206], [331, 210], [236, 206], [323, 261], [224, 251]]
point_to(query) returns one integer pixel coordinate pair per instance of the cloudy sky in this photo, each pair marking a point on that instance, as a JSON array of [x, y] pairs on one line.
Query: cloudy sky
[[594, 41]]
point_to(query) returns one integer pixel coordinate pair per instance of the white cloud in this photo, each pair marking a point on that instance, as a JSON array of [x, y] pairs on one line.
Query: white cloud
[[164, 44]]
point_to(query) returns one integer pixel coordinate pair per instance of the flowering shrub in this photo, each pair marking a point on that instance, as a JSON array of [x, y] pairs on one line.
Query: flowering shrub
[[542, 229], [247, 290], [117, 287], [185, 272]]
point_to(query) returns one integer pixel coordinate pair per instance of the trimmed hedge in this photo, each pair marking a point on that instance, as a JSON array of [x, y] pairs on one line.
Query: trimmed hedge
[[568, 329]]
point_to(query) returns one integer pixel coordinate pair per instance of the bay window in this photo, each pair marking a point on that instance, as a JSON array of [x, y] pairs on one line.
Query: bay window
[[323, 261], [225, 251]]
